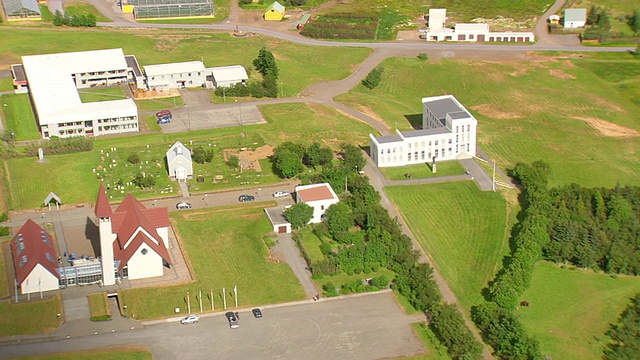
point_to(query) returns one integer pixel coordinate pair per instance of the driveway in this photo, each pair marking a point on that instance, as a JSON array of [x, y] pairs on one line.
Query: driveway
[[286, 248]]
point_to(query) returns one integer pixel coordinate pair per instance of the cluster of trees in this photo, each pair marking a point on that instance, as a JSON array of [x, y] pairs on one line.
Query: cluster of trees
[[356, 286], [144, 180], [373, 78], [595, 228], [289, 159], [266, 65], [202, 155], [625, 334], [342, 26], [500, 328], [88, 20], [598, 24], [369, 238], [58, 145]]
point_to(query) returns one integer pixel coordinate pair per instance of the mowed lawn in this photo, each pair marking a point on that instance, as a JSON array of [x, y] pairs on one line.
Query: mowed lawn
[[131, 352], [30, 317], [298, 65], [102, 94], [80, 8], [549, 109], [225, 249], [19, 117], [571, 310], [461, 228]]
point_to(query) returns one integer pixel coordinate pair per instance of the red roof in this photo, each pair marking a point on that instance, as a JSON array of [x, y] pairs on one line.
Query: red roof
[[132, 221], [32, 246], [103, 208], [320, 192]]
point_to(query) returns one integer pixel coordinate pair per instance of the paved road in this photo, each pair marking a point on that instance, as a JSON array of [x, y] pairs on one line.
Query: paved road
[[365, 326]]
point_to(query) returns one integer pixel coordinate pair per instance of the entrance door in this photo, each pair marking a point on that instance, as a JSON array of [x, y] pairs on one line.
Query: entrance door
[[181, 174], [481, 38], [282, 229]]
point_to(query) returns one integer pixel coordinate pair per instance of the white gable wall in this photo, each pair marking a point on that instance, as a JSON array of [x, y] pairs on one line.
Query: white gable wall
[[40, 279], [145, 266], [163, 232], [319, 207]]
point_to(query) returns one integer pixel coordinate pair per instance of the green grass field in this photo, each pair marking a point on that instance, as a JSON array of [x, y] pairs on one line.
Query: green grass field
[[297, 64], [311, 244], [110, 353], [225, 249], [80, 8], [461, 228], [6, 84], [30, 317], [555, 109], [98, 306], [4, 283], [161, 103], [19, 117], [570, 310], [423, 171], [435, 350], [102, 94]]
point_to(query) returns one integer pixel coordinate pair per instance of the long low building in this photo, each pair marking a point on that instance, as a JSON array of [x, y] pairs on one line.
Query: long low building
[[53, 82], [448, 133]]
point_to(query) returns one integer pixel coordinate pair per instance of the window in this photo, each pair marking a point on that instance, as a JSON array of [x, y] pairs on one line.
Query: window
[[49, 257], [144, 251], [456, 138], [468, 127], [321, 207], [436, 143], [382, 152], [429, 143], [389, 151], [457, 128], [436, 153], [470, 36], [467, 147], [422, 155], [23, 261], [415, 155], [450, 141]]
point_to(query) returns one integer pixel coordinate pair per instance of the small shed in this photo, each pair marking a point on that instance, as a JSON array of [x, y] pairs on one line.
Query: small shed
[[226, 76], [179, 162], [279, 223], [305, 19], [275, 12], [554, 19], [575, 18], [21, 9], [52, 198]]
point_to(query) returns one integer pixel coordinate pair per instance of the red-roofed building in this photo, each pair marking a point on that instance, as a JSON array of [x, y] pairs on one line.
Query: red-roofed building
[[34, 259], [135, 236], [318, 196]]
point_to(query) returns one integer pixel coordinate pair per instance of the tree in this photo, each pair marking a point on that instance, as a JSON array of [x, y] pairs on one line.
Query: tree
[[144, 181], [624, 335], [353, 159], [298, 215], [270, 86], [265, 63], [317, 155], [604, 21], [233, 161], [133, 158], [634, 21], [592, 15], [59, 19], [449, 326], [201, 156], [288, 164], [338, 218]]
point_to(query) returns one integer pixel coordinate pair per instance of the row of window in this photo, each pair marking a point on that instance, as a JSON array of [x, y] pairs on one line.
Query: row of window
[[178, 75], [426, 156]]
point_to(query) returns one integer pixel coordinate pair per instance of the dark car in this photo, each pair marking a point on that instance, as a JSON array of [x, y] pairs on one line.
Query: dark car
[[256, 313], [244, 198], [232, 319], [163, 113], [164, 120]]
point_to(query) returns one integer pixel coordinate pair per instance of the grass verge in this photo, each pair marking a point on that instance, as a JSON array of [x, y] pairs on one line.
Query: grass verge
[[99, 307], [80, 8], [109, 353], [423, 171], [19, 116], [30, 317]]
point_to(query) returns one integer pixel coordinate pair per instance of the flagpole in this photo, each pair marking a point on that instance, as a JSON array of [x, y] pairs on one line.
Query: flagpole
[[188, 304], [211, 293], [224, 298], [200, 297], [235, 296]]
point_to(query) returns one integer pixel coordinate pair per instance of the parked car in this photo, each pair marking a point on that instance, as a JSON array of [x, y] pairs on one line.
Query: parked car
[[256, 313], [183, 205], [245, 197], [163, 113], [233, 320], [164, 120], [191, 319], [279, 194]]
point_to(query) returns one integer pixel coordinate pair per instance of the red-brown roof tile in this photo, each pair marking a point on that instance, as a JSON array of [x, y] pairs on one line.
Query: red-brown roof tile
[[34, 243], [103, 208], [320, 192]]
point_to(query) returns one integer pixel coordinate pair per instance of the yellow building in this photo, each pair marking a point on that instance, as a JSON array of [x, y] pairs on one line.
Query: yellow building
[[275, 12]]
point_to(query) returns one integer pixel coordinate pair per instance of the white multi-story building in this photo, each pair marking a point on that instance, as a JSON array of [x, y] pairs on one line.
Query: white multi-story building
[[175, 75], [53, 82], [318, 196], [448, 133]]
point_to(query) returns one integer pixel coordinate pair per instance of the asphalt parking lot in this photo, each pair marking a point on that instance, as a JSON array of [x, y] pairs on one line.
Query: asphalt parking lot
[[366, 327], [214, 116]]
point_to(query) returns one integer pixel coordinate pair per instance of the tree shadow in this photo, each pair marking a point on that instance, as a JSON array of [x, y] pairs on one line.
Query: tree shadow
[[415, 120]]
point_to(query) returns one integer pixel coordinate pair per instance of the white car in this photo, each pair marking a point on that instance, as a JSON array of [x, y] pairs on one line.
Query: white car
[[279, 194], [191, 319]]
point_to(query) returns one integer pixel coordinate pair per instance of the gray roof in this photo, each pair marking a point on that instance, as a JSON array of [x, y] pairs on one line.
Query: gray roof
[[423, 132], [18, 72], [388, 139], [440, 108], [276, 215], [16, 7], [575, 15], [132, 62], [50, 197], [178, 150]]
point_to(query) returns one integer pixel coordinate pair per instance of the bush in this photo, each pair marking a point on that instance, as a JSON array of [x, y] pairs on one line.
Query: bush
[[233, 161], [4, 231], [423, 56], [373, 78], [58, 145], [4, 217], [329, 289], [133, 158]]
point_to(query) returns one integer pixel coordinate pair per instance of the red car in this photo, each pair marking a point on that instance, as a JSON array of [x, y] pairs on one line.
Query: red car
[[163, 113]]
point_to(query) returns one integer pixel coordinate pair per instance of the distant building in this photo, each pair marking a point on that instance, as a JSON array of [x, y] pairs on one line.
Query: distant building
[[155, 9], [134, 240], [21, 10], [34, 259], [575, 18], [318, 196], [274, 12], [53, 81], [179, 162], [226, 76], [448, 133], [468, 32], [175, 75]]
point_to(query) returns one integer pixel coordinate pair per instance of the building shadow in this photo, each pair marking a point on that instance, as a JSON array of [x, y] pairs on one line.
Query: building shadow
[[92, 233], [415, 120]]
